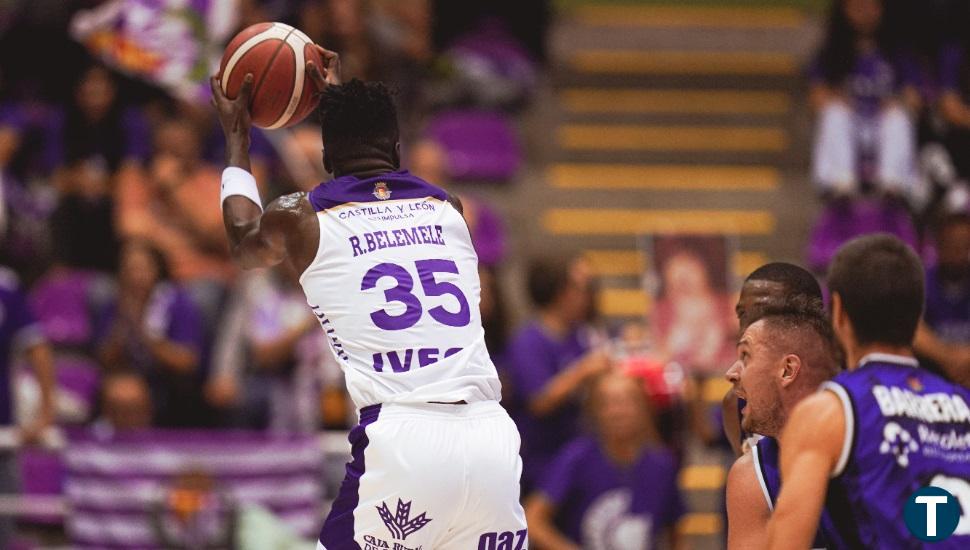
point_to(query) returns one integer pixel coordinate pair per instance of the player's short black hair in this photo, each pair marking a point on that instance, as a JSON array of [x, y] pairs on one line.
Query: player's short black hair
[[796, 280], [799, 314], [546, 278], [880, 282], [358, 116]]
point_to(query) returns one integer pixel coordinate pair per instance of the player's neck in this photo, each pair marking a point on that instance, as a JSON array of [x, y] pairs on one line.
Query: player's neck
[[622, 451], [854, 355], [554, 323], [365, 168]]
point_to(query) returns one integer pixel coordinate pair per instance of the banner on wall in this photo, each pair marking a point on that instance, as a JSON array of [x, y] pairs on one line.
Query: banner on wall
[[175, 44]]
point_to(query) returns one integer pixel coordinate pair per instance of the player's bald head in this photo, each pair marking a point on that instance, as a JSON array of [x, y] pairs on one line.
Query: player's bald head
[[776, 285]]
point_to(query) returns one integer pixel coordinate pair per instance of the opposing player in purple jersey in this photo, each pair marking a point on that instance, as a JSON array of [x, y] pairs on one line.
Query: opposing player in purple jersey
[[388, 267], [880, 431], [783, 357]]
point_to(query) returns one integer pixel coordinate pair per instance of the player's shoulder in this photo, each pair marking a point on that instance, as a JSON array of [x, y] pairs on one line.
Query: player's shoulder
[[742, 476]]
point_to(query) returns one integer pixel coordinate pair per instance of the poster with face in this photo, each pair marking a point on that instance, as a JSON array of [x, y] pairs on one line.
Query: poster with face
[[692, 285]]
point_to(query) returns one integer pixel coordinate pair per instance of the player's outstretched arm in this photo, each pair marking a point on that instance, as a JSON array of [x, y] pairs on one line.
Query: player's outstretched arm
[[747, 509], [811, 446], [256, 238]]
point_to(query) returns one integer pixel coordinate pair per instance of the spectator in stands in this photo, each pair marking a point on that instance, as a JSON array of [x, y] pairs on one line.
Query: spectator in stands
[[272, 362], [172, 209], [551, 359], [126, 404], [97, 124], [428, 161], [955, 103], [615, 489], [864, 89], [155, 330], [20, 335], [943, 337], [83, 222]]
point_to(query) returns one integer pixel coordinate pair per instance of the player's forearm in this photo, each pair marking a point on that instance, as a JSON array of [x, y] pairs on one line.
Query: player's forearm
[[555, 393], [174, 356]]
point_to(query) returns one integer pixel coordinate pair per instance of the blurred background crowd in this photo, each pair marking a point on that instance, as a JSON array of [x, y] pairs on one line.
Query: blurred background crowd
[[122, 314]]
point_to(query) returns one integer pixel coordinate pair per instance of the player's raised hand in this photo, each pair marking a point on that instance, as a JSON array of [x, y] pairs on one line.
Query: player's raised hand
[[330, 73], [233, 113]]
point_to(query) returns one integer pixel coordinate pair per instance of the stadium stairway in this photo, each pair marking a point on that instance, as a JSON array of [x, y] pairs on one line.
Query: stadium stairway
[[666, 118]]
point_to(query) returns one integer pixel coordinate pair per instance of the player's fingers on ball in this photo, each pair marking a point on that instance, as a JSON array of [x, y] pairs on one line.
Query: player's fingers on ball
[[317, 74], [247, 88], [216, 85]]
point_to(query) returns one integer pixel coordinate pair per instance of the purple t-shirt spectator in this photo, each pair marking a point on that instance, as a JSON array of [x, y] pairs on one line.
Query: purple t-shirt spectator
[[601, 504], [170, 312], [874, 78], [947, 308], [18, 329], [533, 359]]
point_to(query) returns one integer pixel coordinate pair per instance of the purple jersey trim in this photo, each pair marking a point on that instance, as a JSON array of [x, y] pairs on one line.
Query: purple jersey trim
[[390, 186], [338, 529]]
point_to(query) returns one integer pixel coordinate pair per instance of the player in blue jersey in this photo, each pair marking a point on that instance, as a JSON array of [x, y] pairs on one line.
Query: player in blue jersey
[[783, 357], [881, 430], [771, 285]]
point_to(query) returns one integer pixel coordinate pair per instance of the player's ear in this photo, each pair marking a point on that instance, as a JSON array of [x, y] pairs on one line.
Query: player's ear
[[791, 366], [396, 155]]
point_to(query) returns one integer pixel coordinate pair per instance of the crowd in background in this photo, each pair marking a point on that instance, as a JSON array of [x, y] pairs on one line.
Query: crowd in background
[[112, 244]]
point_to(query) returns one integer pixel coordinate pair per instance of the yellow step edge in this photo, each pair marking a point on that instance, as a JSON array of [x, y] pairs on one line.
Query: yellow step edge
[[684, 16], [672, 138], [715, 388], [684, 62], [746, 262], [605, 262], [700, 524], [623, 302], [702, 477], [609, 221], [737, 102], [663, 177]]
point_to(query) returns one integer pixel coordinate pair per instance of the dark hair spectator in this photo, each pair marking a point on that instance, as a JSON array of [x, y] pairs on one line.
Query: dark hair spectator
[[155, 329]]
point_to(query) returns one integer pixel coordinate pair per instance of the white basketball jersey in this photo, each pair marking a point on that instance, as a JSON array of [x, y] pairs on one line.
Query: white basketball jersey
[[395, 286]]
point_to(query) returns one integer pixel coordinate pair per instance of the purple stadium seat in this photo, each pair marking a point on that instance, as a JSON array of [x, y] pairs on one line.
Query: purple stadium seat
[[842, 221], [479, 145]]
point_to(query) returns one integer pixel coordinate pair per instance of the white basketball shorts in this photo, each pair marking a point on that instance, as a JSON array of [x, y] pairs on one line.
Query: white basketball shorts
[[430, 477]]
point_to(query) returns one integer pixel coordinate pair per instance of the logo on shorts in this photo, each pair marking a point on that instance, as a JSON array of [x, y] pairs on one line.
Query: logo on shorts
[[381, 191], [400, 525]]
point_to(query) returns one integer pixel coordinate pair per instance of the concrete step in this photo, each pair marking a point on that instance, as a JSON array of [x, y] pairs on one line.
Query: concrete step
[[628, 101], [771, 139], [663, 177], [681, 62]]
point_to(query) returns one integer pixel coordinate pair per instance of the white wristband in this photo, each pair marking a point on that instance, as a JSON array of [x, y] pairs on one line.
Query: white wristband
[[236, 181]]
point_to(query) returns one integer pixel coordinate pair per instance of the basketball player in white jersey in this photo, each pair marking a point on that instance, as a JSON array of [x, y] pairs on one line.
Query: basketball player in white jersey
[[388, 267]]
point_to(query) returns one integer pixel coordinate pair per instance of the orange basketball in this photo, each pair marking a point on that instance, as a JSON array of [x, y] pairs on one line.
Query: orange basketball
[[276, 54]]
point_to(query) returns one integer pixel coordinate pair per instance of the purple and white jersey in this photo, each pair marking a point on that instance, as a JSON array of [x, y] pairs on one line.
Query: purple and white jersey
[[905, 428], [395, 286]]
